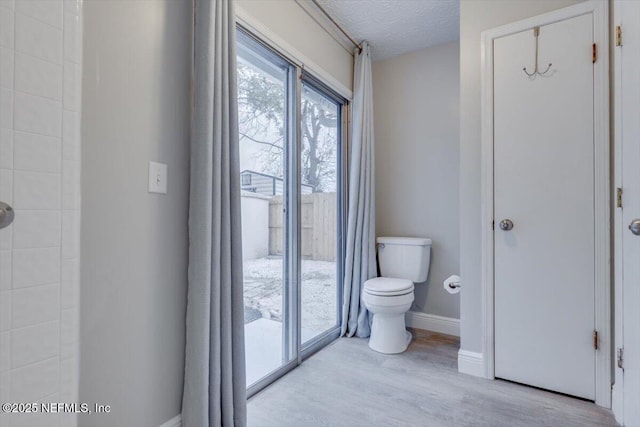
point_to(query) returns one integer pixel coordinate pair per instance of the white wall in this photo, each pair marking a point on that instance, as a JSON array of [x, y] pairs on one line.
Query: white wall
[[137, 59], [475, 17], [135, 244], [40, 69], [416, 107], [287, 21]]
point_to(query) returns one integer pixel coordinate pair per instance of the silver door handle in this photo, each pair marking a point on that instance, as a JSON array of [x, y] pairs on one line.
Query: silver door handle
[[635, 227], [6, 215], [506, 225]]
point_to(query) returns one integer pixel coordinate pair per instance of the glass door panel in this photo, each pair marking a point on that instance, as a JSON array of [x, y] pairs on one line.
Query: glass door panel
[[319, 212], [290, 130], [263, 86]]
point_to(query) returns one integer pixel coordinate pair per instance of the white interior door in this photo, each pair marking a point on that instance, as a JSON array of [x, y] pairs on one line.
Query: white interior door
[[544, 183], [629, 139]]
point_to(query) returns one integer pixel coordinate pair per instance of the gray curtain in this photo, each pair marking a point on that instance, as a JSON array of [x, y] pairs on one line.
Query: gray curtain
[[360, 263], [214, 385]]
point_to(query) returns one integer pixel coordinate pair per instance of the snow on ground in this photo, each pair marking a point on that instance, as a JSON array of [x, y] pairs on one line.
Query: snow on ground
[[263, 291]]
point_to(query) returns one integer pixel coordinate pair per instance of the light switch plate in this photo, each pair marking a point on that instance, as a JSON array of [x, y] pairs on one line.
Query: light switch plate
[[157, 178]]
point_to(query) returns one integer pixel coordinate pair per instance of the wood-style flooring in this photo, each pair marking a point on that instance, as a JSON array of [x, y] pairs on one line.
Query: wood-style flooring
[[347, 384]]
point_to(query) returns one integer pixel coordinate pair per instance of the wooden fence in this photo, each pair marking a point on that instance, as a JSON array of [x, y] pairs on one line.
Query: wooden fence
[[319, 215]]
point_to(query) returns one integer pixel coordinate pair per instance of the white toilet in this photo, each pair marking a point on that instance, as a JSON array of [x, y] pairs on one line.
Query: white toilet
[[403, 261]]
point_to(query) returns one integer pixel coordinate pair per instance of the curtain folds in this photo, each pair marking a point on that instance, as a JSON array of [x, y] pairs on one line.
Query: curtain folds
[[360, 263], [214, 385]]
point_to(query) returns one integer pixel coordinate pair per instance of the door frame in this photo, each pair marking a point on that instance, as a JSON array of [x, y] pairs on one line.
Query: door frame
[[298, 74], [617, 389], [623, 290], [602, 267]]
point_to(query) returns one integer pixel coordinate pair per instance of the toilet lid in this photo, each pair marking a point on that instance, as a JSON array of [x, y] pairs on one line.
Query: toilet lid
[[388, 286]]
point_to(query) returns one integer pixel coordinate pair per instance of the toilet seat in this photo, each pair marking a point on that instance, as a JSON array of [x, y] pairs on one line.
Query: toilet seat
[[388, 286]]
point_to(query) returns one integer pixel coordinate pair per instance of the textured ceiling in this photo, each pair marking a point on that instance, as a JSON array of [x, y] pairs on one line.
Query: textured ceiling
[[394, 27]]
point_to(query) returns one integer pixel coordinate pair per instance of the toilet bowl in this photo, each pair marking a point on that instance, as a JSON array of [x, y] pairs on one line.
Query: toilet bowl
[[388, 299], [402, 261]]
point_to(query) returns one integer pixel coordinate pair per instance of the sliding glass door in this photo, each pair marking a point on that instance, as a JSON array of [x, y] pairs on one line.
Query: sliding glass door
[[264, 83], [291, 176], [320, 208]]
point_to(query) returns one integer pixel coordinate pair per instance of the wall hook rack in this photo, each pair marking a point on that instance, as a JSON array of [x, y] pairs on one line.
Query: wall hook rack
[[536, 34]]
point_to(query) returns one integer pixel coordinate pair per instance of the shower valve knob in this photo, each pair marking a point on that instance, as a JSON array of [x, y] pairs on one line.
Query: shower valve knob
[[6, 215]]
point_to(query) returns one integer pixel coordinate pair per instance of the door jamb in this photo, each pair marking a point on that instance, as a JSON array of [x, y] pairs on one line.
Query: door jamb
[[600, 12], [617, 390]]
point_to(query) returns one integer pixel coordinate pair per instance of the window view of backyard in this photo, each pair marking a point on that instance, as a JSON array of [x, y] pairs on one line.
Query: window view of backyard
[[319, 212], [262, 105]]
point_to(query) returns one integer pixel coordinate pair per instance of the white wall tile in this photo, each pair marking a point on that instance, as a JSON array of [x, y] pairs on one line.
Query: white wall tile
[[69, 419], [6, 238], [34, 343], [6, 186], [6, 108], [33, 267], [5, 352], [32, 382], [6, 27], [70, 185], [70, 136], [52, 398], [6, 195], [5, 270], [48, 11], [72, 79], [40, 59], [6, 148], [39, 419], [72, 38], [69, 284], [38, 39], [38, 153], [69, 334], [35, 190], [36, 114], [5, 310], [72, 7], [6, 68], [70, 234], [35, 305], [38, 77], [8, 4], [5, 381], [7, 65], [69, 380], [36, 229]]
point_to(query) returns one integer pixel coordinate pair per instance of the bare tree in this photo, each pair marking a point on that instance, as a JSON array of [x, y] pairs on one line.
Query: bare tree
[[319, 141], [261, 104]]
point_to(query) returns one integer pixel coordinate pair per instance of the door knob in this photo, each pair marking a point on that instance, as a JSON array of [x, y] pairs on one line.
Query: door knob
[[635, 227], [6, 215], [506, 224]]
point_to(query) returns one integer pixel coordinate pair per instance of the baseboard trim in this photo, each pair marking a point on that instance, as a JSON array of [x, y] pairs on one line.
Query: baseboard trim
[[173, 422], [471, 363], [431, 322]]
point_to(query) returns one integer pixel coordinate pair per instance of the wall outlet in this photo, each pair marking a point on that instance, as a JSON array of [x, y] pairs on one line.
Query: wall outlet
[[157, 178]]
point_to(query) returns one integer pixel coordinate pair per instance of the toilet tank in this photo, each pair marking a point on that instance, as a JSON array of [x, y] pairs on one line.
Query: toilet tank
[[404, 257]]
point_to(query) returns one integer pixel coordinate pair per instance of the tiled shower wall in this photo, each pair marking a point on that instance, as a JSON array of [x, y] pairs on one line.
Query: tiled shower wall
[[40, 78]]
